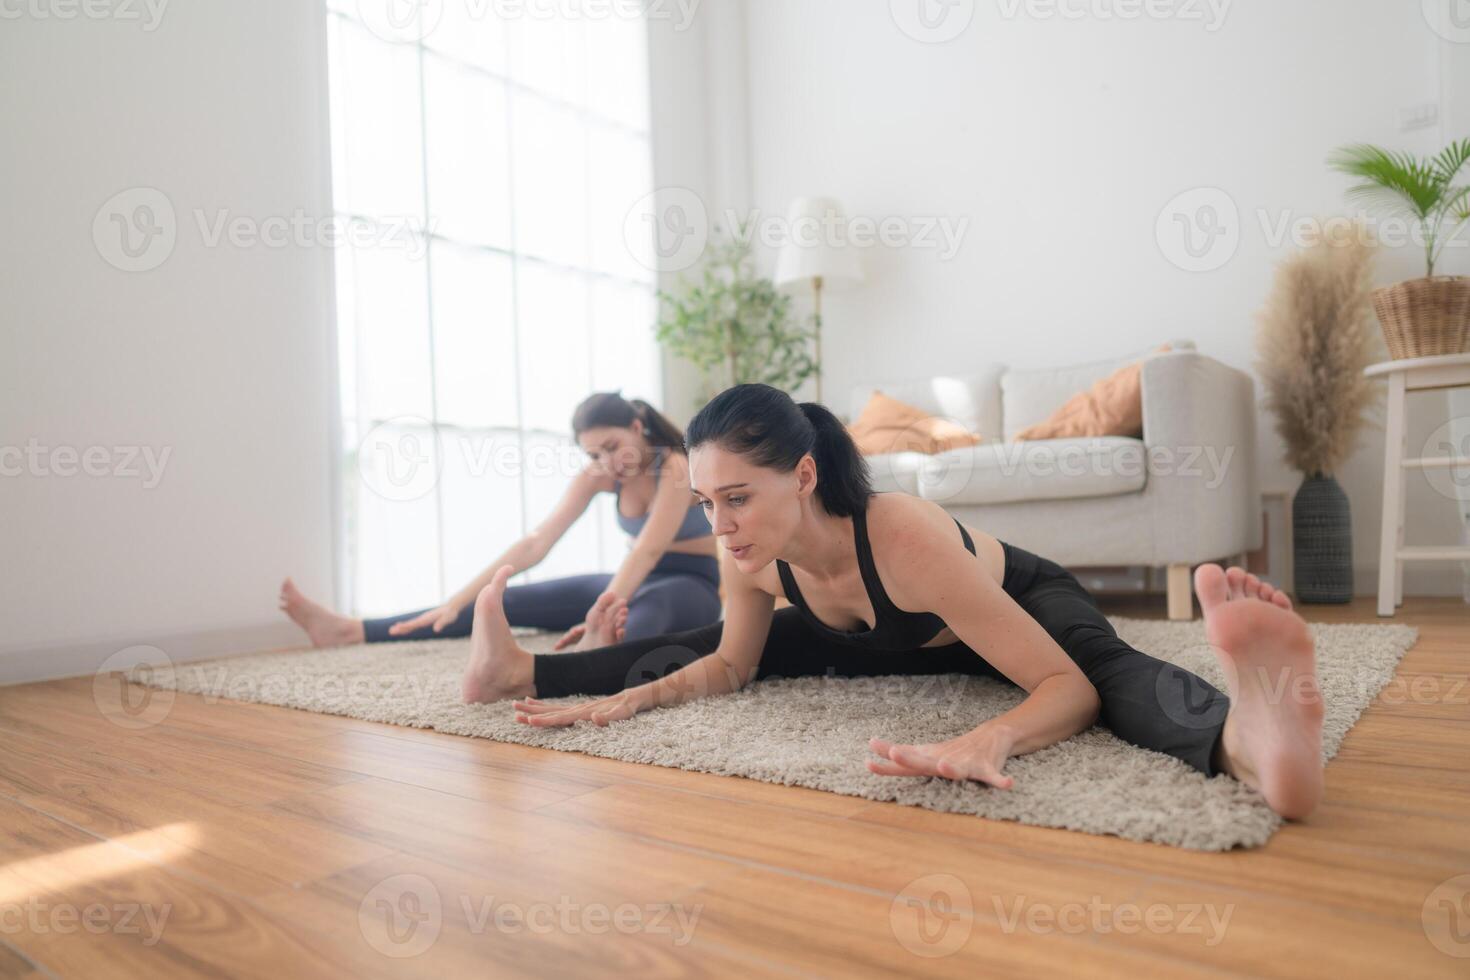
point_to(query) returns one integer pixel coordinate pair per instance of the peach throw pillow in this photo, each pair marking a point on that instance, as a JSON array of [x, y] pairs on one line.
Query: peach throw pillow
[[1113, 406], [888, 425]]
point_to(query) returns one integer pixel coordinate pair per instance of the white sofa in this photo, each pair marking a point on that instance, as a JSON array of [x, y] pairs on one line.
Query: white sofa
[[1185, 493]]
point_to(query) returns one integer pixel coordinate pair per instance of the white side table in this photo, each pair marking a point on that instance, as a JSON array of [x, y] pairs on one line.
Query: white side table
[[1406, 375]]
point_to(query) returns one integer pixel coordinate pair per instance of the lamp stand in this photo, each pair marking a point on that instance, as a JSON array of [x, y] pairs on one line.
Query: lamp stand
[[817, 307]]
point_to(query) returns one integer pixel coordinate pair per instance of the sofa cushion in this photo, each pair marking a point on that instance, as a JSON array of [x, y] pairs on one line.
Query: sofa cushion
[[1044, 469], [888, 425], [1030, 397], [972, 400]]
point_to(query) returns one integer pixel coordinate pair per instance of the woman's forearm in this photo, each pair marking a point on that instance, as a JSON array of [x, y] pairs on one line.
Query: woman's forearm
[[1058, 708], [632, 572], [524, 554], [708, 676]]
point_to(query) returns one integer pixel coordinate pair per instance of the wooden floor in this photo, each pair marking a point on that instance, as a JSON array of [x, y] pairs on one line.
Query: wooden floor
[[245, 840]]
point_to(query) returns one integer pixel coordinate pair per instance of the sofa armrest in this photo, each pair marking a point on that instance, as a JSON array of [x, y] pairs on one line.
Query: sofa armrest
[[1199, 427]]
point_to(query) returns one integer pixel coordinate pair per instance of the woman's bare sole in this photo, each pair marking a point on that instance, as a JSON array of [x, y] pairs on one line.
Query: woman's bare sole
[[499, 668], [324, 627], [1273, 733]]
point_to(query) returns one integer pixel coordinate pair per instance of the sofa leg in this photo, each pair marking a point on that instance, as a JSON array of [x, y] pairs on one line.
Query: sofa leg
[[1180, 592]]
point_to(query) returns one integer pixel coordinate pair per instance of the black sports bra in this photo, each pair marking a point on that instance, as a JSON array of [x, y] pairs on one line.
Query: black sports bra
[[895, 628]]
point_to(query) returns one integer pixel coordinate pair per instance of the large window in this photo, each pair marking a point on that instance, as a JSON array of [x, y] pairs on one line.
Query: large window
[[484, 165]]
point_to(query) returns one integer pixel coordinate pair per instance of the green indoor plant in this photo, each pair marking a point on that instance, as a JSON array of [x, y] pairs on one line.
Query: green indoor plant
[[735, 326], [1427, 316]]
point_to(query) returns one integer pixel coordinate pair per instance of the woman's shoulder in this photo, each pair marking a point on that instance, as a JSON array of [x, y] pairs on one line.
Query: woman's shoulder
[[903, 528], [899, 513], [917, 543]]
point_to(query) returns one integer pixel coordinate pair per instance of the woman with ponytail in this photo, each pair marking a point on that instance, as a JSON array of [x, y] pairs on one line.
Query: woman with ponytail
[[891, 584], [668, 581]]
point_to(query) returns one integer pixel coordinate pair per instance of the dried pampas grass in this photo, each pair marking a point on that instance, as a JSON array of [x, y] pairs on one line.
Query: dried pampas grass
[[1314, 339]]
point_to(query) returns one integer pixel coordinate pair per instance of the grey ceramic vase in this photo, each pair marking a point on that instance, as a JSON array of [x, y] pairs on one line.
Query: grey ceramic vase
[[1322, 541]]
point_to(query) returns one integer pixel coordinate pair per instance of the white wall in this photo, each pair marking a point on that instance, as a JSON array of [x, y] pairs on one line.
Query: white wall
[[1454, 58], [1061, 141], [700, 138], [221, 356]]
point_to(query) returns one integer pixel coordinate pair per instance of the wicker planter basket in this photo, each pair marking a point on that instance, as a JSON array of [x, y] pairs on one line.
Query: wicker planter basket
[[1424, 317]]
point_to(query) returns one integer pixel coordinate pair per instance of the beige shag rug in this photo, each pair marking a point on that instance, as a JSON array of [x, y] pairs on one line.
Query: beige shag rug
[[814, 731]]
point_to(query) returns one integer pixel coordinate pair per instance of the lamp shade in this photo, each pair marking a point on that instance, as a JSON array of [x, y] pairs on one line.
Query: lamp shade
[[817, 245]]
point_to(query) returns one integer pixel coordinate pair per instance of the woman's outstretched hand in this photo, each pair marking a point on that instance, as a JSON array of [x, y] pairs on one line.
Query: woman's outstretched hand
[[602, 711], [438, 617], [606, 624], [980, 754]]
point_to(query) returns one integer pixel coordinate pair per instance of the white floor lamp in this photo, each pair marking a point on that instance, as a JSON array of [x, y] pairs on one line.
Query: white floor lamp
[[817, 250]]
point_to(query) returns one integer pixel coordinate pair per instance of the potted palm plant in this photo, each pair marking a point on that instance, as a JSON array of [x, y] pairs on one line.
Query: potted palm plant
[[734, 325], [1420, 317], [1313, 340]]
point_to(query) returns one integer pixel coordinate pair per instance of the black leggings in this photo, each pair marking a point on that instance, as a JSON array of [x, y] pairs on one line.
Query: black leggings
[[1145, 701]]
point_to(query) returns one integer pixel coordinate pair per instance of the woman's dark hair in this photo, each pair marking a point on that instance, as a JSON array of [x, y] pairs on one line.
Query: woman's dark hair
[[764, 425], [609, 408]]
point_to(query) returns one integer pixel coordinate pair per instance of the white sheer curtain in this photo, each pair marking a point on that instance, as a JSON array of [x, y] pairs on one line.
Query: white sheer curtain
[[483, 168]]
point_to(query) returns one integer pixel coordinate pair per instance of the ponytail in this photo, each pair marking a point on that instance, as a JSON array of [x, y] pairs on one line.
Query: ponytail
[[764, 425], [609, 408], [657, 428], [843, 483]]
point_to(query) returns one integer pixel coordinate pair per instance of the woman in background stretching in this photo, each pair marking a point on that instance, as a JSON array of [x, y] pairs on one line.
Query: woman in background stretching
[[668, 581]]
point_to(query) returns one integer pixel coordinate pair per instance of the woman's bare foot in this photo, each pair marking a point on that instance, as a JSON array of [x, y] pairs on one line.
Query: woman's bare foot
[[499, 669], [1273, 733], [606, 622], [324, 627]]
